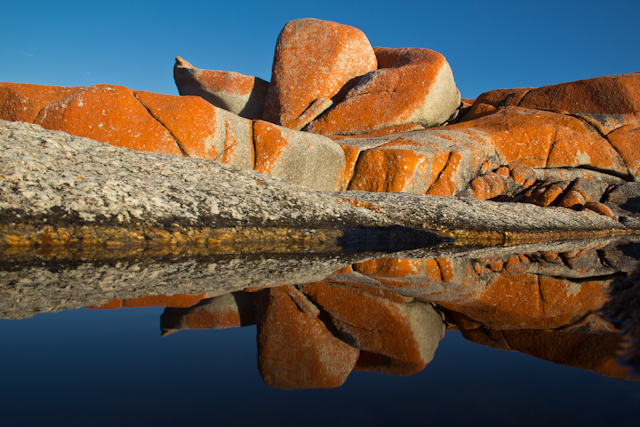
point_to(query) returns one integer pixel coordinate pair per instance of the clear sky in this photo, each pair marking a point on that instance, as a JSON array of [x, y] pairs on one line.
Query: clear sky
[[489, 44]]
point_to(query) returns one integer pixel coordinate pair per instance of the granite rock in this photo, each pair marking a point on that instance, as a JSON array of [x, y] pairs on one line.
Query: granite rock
[[234, 92]]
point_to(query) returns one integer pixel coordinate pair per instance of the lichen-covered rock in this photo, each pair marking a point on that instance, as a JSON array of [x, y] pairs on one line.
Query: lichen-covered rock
[[411, 86], [615, 94], [21, 102], [109, 114], [295, 348], [395, 338], [234, 92], [542, 139], [436, 162], [202, 130], [313, 60], [299, 157]]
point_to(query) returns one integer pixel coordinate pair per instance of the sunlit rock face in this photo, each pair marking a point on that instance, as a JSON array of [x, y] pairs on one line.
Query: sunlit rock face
[[410, 86], [313, 60], [234, 92]]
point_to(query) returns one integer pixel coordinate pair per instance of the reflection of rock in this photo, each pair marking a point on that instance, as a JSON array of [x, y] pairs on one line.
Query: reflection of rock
[[398, 338], [295, 348], [593, 352], [623, 310], [226, 311]]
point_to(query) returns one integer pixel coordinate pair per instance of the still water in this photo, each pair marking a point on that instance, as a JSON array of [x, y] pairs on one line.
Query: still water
[[440, 336]]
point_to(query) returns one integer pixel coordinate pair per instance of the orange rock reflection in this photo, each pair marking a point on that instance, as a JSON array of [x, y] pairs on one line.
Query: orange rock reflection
[[388, 314]]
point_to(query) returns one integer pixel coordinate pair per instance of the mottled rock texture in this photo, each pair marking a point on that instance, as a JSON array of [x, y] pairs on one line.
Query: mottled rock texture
[[313, 60], [411, 86], [234, 92], [295, 348]]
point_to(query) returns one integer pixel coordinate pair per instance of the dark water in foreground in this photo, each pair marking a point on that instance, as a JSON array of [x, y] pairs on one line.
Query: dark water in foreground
[[104, 366]]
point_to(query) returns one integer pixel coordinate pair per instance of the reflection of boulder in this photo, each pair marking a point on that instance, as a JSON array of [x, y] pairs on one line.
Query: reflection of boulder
[[398, 338], [593, 352], [226, 311], [623, 310], [295, 348]]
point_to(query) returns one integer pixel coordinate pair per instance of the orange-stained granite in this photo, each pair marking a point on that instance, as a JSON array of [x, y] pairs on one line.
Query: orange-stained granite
[[110, 114], [313, 60], [544, 139], [22, 102], [269, 144], [395, 94], [192, 121], [404, 336]]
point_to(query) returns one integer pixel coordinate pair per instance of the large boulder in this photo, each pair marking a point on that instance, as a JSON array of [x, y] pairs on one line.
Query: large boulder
[[234, 92], [299, 157], [313, 60], [21, 102], [411, 86], [202, 130], [110, 114], [616, 94]]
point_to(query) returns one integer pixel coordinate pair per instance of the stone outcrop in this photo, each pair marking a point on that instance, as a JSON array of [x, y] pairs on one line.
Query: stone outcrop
[[411, 86], [60, 190], [179, 125], [313, 60], [234, 92]]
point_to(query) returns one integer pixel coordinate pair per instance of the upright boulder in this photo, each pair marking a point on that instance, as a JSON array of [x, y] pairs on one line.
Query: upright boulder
[[234, 92], [313, 61], [411, 86]]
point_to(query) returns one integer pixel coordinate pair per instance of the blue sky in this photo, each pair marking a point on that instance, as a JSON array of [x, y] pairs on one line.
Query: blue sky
[[489, 44]]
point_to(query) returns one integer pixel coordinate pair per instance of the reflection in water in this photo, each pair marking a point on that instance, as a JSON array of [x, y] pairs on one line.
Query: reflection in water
[[318, 323]]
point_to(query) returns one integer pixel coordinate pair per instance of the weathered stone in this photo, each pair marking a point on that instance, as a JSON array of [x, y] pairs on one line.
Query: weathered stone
[[234, 92], [295, 348], [411, 86], [313, 61], [544, 139], [616, 94], [405, 335], [625, 141], [23, 102], [109, 114], [177, 300], [436, 162], [202, 130], [298, 157]]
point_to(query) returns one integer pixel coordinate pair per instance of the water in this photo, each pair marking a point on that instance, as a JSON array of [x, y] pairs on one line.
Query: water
[[82, 366]]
